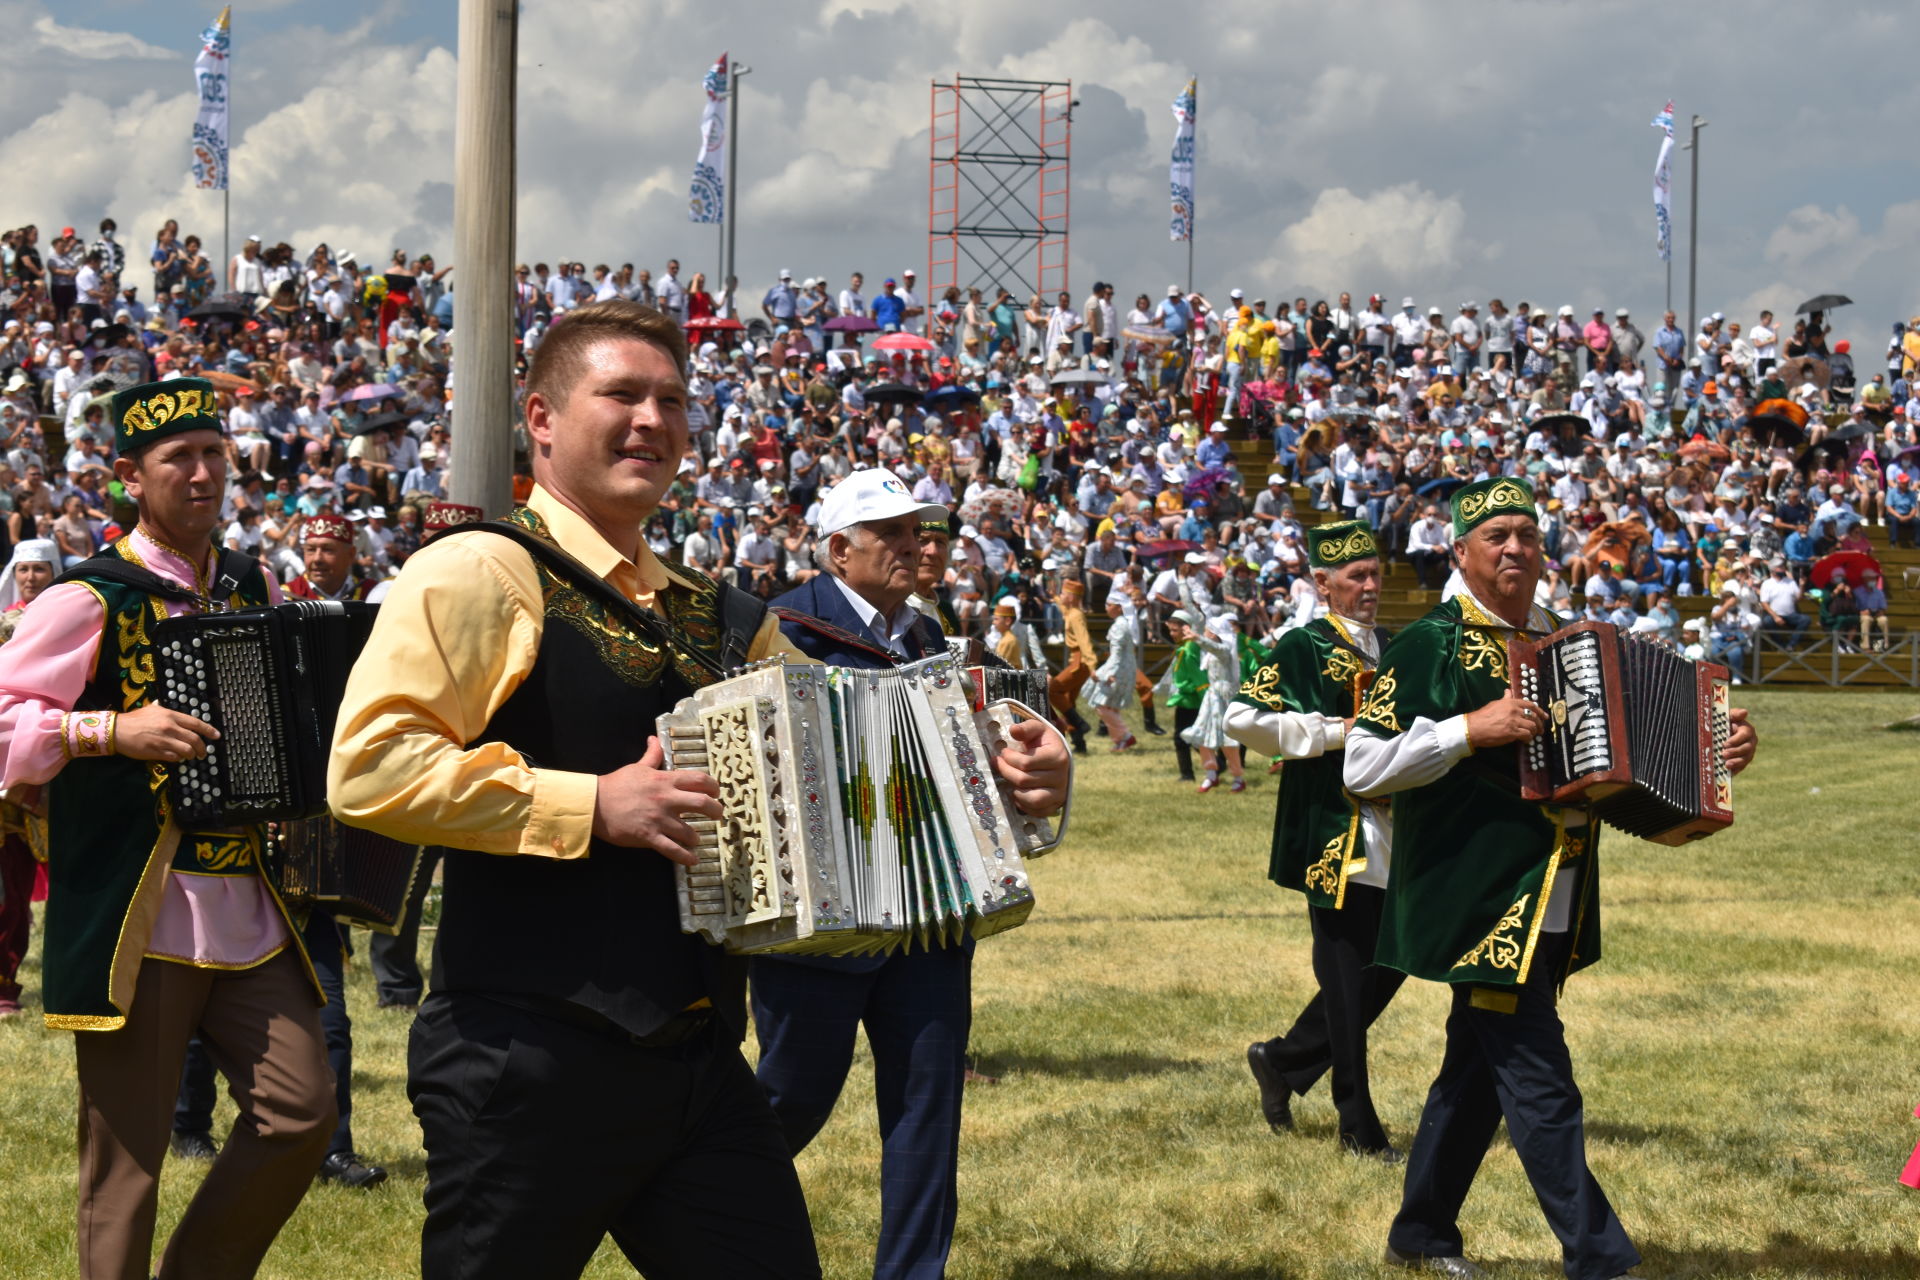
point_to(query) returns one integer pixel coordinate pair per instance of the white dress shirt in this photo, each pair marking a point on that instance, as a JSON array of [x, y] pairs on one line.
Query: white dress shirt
[[1378, 766], [1304, 735], [890, 632]]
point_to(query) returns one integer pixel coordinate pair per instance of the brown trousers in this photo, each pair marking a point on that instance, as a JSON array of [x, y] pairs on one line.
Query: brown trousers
[[262, 1029]]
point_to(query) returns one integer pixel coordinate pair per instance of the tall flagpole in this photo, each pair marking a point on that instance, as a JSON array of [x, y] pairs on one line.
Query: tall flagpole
[[483, 211], [1693, 229], [226, 188], [732, 198], [1193, 219]]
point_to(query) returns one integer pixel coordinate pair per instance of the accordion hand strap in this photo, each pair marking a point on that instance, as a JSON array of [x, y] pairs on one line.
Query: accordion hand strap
[[1066, 810]]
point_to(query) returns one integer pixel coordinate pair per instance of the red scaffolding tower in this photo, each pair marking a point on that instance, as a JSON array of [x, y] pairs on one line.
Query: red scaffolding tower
[[998, 185]]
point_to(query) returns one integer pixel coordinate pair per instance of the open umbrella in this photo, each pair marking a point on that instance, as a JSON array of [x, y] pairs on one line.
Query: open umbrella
[[950, 397], [370, 391], [1850, 431], [1200, 484], [1908, 457], [1828, 452], [1155, 552], [1825, 302], [1778, 422], [987, 501], [1150, 337], [225, 307], [1711, 450], [1080, 377], [381, 422], [850, 324], [904, 342], [1441, 488], [229, 382], [1801, 369], [893, 393], [1848, 564], [108, 335], [1564, 426], [712, 323]]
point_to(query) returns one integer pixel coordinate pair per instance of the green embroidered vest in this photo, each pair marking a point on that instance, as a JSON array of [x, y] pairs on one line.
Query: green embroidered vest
[[1316, 825], [1474, 865], [109, 835]]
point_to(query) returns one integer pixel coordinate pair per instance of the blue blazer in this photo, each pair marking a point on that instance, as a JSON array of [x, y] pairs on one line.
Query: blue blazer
[[819, 598]]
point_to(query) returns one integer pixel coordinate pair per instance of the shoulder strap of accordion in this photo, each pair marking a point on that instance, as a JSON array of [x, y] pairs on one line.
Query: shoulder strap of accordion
[[741, 613], [107, 567], [839, 634], [583, 579]]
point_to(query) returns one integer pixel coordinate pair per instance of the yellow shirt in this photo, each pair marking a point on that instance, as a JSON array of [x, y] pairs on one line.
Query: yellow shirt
[[458, 632], [1236, 339]]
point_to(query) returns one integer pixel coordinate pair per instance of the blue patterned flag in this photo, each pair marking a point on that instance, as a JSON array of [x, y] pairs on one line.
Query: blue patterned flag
[[1180, 175], [211, 75], [709, 199], [1663, 184]]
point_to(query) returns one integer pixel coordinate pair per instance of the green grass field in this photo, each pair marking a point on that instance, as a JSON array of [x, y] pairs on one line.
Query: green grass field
[[1746, 1047]]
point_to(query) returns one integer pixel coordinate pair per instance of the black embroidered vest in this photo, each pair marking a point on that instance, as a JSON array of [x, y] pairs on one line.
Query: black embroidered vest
[[600, 933]]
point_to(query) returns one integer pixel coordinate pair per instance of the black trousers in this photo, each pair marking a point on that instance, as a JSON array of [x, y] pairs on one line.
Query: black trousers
[[1507, 1057], [395, 957], [1183, 717], [193, 1108], [544, 1136], [1331, 1032]]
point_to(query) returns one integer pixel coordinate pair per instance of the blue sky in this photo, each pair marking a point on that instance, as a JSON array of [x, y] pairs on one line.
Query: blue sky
[[1443, 151]]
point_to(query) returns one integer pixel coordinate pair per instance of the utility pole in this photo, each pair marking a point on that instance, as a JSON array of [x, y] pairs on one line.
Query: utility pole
[[1693, 229], [727, 210], [483, 213]]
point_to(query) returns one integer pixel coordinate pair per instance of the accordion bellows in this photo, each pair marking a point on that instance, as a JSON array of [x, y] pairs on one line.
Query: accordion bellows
[[1634, 729], [860, 808]]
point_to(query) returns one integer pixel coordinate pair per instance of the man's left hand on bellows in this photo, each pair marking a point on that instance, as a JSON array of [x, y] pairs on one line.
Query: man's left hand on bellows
[[1742, 740], [1036, 765]]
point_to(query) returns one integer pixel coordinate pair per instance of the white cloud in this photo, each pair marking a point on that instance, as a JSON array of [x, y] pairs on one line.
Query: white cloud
[[97, 46], [1401, 232]]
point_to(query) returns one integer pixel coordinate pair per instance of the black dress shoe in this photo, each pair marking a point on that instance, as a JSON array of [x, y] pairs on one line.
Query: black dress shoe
[[1453, 1265], [349, 1170], [1276, 1095], [1386, 1153], [193, 1146], [1156, 731]]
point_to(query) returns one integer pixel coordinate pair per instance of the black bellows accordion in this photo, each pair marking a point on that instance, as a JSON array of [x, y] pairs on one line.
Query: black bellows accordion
[[360, 876], [271, 681], [1634, 729]]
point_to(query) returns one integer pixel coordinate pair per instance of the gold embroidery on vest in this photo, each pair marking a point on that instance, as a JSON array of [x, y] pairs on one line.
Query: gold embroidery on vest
[[136, 660], [1378, 708], [1263, 687], [1324, 875], [1343, 666], [1498, 949]]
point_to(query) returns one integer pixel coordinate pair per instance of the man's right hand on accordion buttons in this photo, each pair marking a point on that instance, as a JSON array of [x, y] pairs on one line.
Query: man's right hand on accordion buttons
[[157, 732], [641, 806], [1504, 720]]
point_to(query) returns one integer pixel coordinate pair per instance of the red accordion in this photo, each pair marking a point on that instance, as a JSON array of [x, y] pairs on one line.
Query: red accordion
[[1634, 729]]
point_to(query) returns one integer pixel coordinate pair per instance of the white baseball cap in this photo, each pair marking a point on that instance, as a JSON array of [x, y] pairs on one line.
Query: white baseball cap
[[872, 494]]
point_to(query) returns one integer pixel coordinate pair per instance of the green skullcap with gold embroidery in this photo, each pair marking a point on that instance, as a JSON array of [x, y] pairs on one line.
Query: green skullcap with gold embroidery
[[1331, 545], [153, 411], [1476, 503]]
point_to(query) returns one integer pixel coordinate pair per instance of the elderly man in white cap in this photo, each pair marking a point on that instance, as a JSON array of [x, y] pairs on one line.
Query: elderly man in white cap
[[916, 1005]]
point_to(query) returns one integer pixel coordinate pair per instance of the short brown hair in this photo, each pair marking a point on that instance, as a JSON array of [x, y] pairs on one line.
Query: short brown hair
[[560, 359]]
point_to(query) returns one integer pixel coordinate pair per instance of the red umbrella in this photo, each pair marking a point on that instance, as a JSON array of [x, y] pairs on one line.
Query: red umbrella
[[1711, 449], [1850, 565], [903, 342], [714, 322], [850, 324]]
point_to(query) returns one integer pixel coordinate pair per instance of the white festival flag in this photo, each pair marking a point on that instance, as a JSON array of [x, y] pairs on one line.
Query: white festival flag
[[1663, 185], [1180, 175], [211, 74], [709, 199]]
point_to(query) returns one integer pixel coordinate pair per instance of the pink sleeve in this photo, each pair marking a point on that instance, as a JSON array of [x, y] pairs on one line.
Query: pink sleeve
[[43, 670]]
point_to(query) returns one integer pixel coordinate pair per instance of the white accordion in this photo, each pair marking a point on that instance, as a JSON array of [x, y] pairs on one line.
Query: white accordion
[[860, 810]]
